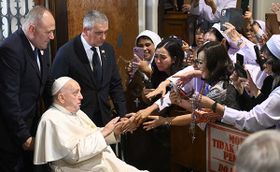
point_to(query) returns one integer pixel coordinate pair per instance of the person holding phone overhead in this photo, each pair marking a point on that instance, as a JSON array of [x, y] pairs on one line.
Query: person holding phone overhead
[[250, 94]]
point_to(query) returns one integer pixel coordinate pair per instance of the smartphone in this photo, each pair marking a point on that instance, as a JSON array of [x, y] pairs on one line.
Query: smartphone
[[180, 92], [139, 51], [241, 72], [184, 95], [259, 60], [240, 59], [233, 16], [271, 24]]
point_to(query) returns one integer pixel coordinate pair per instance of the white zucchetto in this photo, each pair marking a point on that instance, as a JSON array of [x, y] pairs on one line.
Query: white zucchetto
[[59, 83], [273, 44]]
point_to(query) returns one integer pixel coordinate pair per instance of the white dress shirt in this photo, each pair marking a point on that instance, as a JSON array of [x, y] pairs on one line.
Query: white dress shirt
[[262, 116], [89, 51], [205, 11]]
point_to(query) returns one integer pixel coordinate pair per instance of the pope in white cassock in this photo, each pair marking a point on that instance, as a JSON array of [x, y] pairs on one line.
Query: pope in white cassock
[[69, 141]]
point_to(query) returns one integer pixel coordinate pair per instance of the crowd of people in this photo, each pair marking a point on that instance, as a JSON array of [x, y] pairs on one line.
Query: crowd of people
[[230, 75]]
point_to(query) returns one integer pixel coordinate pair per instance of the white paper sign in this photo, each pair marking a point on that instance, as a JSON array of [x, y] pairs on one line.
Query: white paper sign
[[222, 143]]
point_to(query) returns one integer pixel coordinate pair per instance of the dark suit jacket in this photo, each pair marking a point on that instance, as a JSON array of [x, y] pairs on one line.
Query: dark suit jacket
[[21, 87], [71, 60]]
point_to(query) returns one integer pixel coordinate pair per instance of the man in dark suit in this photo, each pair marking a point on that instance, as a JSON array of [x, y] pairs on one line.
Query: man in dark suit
[[24, 76], [90, 61]]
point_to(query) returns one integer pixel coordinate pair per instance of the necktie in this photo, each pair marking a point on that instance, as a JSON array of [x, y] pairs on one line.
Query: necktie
[[97, 68], [36, 56]]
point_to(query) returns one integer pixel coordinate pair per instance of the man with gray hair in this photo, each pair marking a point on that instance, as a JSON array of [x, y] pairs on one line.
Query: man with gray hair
[[90, 61], [68, 140], [260, 152], [24, 77]]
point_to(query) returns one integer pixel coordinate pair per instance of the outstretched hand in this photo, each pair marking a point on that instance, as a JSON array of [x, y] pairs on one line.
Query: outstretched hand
[[128, 123], [206, 115], [110, 126], [186, 77], [153, 122], [275, 8], [141, 115], [161, 89]]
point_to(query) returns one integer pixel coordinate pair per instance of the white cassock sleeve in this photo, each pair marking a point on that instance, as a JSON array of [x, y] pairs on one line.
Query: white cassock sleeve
[[71, 137], [205, 11], [87, 147], [247, 51], [221, 4], [262, 116]]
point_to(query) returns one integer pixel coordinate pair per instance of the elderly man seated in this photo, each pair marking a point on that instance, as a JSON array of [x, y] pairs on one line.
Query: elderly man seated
[[69, 141]]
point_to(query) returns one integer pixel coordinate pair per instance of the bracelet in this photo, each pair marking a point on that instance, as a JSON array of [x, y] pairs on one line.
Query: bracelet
[[214, 107]]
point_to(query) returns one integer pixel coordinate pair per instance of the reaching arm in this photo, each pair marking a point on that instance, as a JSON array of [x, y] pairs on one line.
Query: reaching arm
[[156, 121]]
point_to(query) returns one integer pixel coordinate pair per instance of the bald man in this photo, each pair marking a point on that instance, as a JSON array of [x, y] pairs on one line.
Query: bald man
[[24, 77]]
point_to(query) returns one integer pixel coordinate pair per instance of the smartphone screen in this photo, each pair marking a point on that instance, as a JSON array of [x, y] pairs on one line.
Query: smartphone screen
[[259, 60], [233, 16], [139, 52], [241, 72], [240, 59]]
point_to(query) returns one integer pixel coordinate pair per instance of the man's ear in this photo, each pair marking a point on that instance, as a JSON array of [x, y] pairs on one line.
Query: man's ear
[[86, 31], [31, 30], [60, 98]]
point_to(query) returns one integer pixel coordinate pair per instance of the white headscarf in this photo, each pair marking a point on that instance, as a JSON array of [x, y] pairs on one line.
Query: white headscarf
[[273, 44], [59, 83], [261, 23]]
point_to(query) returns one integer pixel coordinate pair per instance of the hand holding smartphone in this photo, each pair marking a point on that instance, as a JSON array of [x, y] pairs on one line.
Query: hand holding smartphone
[[241, 72], [139, 51], [259, 60], [233, 16]]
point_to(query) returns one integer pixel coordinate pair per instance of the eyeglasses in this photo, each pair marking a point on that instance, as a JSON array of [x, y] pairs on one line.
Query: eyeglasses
[[100, 33]]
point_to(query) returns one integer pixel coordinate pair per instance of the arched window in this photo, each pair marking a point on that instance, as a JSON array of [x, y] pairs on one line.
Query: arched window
[[12, 14]]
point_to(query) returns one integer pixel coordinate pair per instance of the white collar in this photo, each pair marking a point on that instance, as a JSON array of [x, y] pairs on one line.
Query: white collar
[[85, 44], [62, 109], [33, 48]]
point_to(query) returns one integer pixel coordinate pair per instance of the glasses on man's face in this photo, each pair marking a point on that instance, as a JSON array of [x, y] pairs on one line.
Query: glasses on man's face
[[101, 33]]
